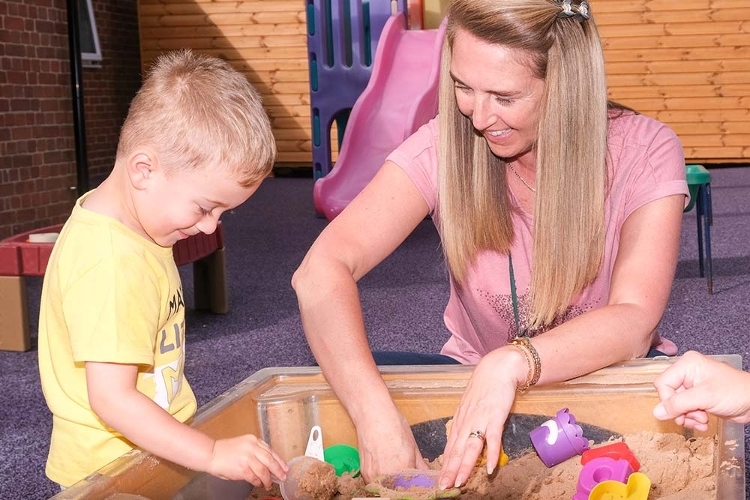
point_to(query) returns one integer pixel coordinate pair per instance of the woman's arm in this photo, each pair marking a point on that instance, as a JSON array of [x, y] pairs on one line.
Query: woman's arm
[[623, 329], [374, 224]]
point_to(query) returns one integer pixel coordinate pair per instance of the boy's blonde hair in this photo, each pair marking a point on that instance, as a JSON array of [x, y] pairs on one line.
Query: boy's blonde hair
[[196, 111], [571, 150]]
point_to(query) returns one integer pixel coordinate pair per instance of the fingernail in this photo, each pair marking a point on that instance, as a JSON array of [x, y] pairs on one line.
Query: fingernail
[[458, 483], [660, 412], [490, 470], [442, 485]]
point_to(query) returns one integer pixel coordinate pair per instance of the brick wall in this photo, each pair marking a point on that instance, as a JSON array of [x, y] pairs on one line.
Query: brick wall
[[37, 148]]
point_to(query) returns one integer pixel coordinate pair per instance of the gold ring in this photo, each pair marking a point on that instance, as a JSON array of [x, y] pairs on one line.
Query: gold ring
[[477, 434]]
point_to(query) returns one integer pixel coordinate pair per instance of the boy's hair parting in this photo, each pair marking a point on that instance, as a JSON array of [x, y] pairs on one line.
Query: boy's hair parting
[[559, 42], [197, 111]]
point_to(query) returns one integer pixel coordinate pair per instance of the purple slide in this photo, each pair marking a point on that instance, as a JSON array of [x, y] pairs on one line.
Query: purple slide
[[400, 97]]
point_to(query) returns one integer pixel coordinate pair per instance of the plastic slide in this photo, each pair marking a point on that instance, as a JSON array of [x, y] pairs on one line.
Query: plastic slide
[[400, 96]]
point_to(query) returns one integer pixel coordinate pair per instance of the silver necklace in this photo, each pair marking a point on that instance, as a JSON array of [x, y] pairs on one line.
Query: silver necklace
[[533, 190]]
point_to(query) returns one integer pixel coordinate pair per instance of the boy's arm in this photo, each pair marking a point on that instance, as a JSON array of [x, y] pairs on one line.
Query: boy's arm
[[116, 401]]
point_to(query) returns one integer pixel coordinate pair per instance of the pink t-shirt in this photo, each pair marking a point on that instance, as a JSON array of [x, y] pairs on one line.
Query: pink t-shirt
[[647, 163]]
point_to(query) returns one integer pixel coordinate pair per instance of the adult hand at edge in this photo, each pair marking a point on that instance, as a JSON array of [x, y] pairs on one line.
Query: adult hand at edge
[[696, 385]]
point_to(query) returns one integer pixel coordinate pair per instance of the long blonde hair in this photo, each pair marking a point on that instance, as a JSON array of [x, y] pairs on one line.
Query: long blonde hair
[[197, 111], [571, 150]]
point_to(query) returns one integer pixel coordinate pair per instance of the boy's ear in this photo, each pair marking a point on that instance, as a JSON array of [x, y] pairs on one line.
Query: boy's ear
[[142, 166]]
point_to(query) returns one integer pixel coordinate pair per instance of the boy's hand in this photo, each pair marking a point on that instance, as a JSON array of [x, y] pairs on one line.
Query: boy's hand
[[246, 458], [697, 385], [115, 399]]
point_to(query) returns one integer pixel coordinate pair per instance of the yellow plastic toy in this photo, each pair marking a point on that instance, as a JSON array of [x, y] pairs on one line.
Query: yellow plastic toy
[[637, 489]]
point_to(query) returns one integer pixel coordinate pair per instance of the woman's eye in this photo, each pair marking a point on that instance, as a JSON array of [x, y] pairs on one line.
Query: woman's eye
[[203, 211]]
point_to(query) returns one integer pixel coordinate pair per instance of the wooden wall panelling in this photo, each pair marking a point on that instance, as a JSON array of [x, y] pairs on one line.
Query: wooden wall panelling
[[264, 39], [685, 62]]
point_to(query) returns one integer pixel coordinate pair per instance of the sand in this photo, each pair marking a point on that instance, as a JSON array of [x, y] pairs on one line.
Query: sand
[[679, 469]]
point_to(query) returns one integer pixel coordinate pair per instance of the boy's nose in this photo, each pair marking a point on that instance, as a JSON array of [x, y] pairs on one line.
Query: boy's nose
[[207, 225]]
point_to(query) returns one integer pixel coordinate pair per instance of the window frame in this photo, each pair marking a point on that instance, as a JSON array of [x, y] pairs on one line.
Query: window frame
[[88, 58]]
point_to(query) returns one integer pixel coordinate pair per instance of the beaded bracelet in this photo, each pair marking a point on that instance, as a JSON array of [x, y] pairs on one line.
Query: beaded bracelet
[[535, 367]]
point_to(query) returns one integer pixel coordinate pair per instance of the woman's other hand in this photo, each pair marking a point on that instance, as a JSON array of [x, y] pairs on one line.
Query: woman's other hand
[[386, 444]]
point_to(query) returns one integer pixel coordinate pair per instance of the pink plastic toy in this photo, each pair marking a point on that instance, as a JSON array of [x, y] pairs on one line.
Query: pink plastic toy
[[400, 96], [598, 470]]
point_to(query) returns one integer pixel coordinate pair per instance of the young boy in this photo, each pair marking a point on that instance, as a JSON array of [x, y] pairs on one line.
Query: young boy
[[196, 143]]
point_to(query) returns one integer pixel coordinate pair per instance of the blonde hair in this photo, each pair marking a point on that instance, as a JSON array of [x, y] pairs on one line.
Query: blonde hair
[[571, 149], [196, 111]]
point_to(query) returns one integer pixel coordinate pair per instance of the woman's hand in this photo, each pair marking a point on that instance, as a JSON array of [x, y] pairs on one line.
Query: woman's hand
[[386, 444], [483, 410], [696, 385]]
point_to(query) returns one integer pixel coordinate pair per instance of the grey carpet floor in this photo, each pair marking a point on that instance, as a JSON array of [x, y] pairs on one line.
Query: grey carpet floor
[[403, 301]]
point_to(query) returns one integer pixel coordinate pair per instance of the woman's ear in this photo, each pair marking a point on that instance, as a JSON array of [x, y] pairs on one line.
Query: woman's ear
[[141, 167]]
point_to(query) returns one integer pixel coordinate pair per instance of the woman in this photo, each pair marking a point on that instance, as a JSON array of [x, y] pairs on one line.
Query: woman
[[559, 215]]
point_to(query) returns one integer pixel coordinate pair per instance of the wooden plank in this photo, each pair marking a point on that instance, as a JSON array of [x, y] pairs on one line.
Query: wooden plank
[[702, 16], [225, 31], [737, 127], [715, 141], [301, 157], [291, 134], [287, 111], [291, 122], [181, 8], [288, 17], [277, 76], [677, 41], [297, 53], [698, 117], [297, 100], [647, 67], [712, 154], [295, 145], [656, 29], [687, 79], [246, 42], [670, 54], [686, 103], [610, 6], [707, 128], [730, 133], [672, 91]]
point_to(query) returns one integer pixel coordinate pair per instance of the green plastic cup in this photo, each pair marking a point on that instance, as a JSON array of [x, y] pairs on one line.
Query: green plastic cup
[[343, 458]]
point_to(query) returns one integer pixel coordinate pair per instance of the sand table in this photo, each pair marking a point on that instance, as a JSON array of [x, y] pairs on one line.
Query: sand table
[[679, 469]]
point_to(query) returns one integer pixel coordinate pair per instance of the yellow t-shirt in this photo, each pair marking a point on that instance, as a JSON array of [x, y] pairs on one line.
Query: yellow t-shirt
[[109, 295]]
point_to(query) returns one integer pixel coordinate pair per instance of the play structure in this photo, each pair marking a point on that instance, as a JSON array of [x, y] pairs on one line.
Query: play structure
[[401, 96], [342, 37]]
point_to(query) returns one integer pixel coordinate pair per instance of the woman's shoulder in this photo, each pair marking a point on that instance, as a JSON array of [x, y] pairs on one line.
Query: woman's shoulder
[[631, 128], [422, 142]]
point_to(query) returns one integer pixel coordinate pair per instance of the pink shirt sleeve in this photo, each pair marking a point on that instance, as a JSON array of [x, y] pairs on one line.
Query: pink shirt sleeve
[[418, 157]]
